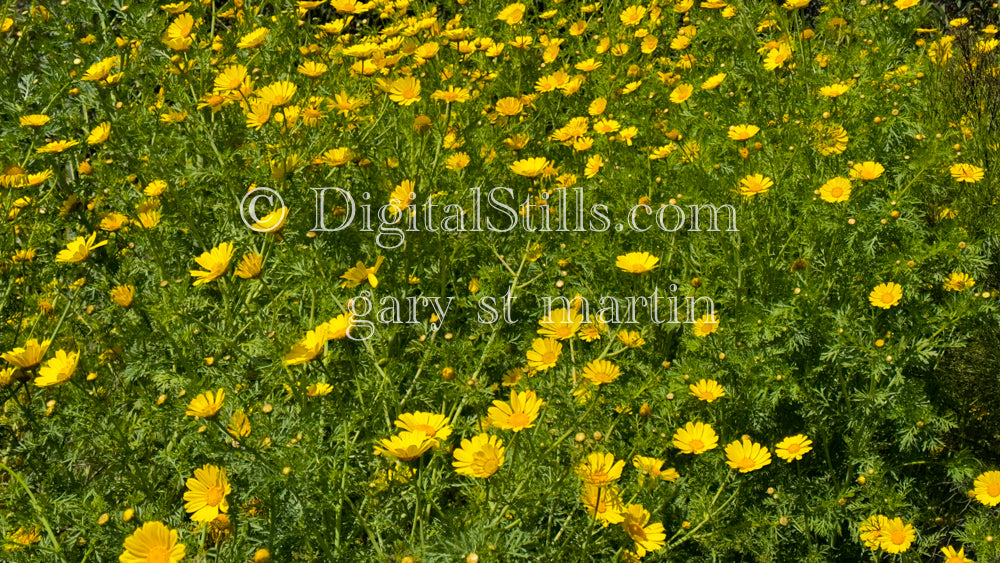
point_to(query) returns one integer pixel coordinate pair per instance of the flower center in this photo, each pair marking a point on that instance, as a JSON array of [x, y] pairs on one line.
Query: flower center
[[837, 192], [888, 297], [599, 477], [696, 444], [993, 489], [488, 466], [158, 554], [214, 495], [519, 419], [549, 357], [793, 449], [746, 463], [635, 531], [898, 537]]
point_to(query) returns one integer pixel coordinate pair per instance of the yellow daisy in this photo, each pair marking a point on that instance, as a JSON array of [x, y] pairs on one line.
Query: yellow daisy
[[154, 542], [695, 438], [520, 413], [793, 447], [215, 262], [886, 295], [206, 405], [206, 494], [747, 456], [479, 457], [58, 369]]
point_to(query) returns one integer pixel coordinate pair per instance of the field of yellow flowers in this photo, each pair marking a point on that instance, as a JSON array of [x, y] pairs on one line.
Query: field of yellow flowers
[[420, 281]]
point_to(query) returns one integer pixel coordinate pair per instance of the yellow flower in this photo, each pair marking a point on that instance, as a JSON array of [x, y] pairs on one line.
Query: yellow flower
[[22, 538], [713, 82], [176, 8], [100, 70], [896, 537], [79, 249], [778, 56], [520, 413], [155, 188], [705, 325], [707, 390], [149, 219], [35, 120], [603, 503], [58, 369], [955, 556], [630, 338], [834, 90], [153, 542], [742, 132], [273, 222], [320, 389], [278, 94], [402, 196], [530, 167], [867, 170], [113, 221], [29, 356], [312, 69], [544, 353], [754, 184], [637, 262], [7, 376], [987, 488], [307, 348], [480, 457], [233, 77], [56, 146], [695, 438], [653, 468], [957, 281], [99, 134], [747, 456], [512, 14], [239, 424], [206, 494], [886, 295], [405, 91], [904, 4], [451, 95], [457, 161], [599, 372], [600, 469], [871, 531], [206, 405], [681, 93], [434, 426], [407, 445], [836, 190], [360, 273], [250, 266], [966, 173], [509, 106], [215, 262], [560, 324], [632, 16], [594, 165], [253, 39], [793, 447], [647, 537]]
